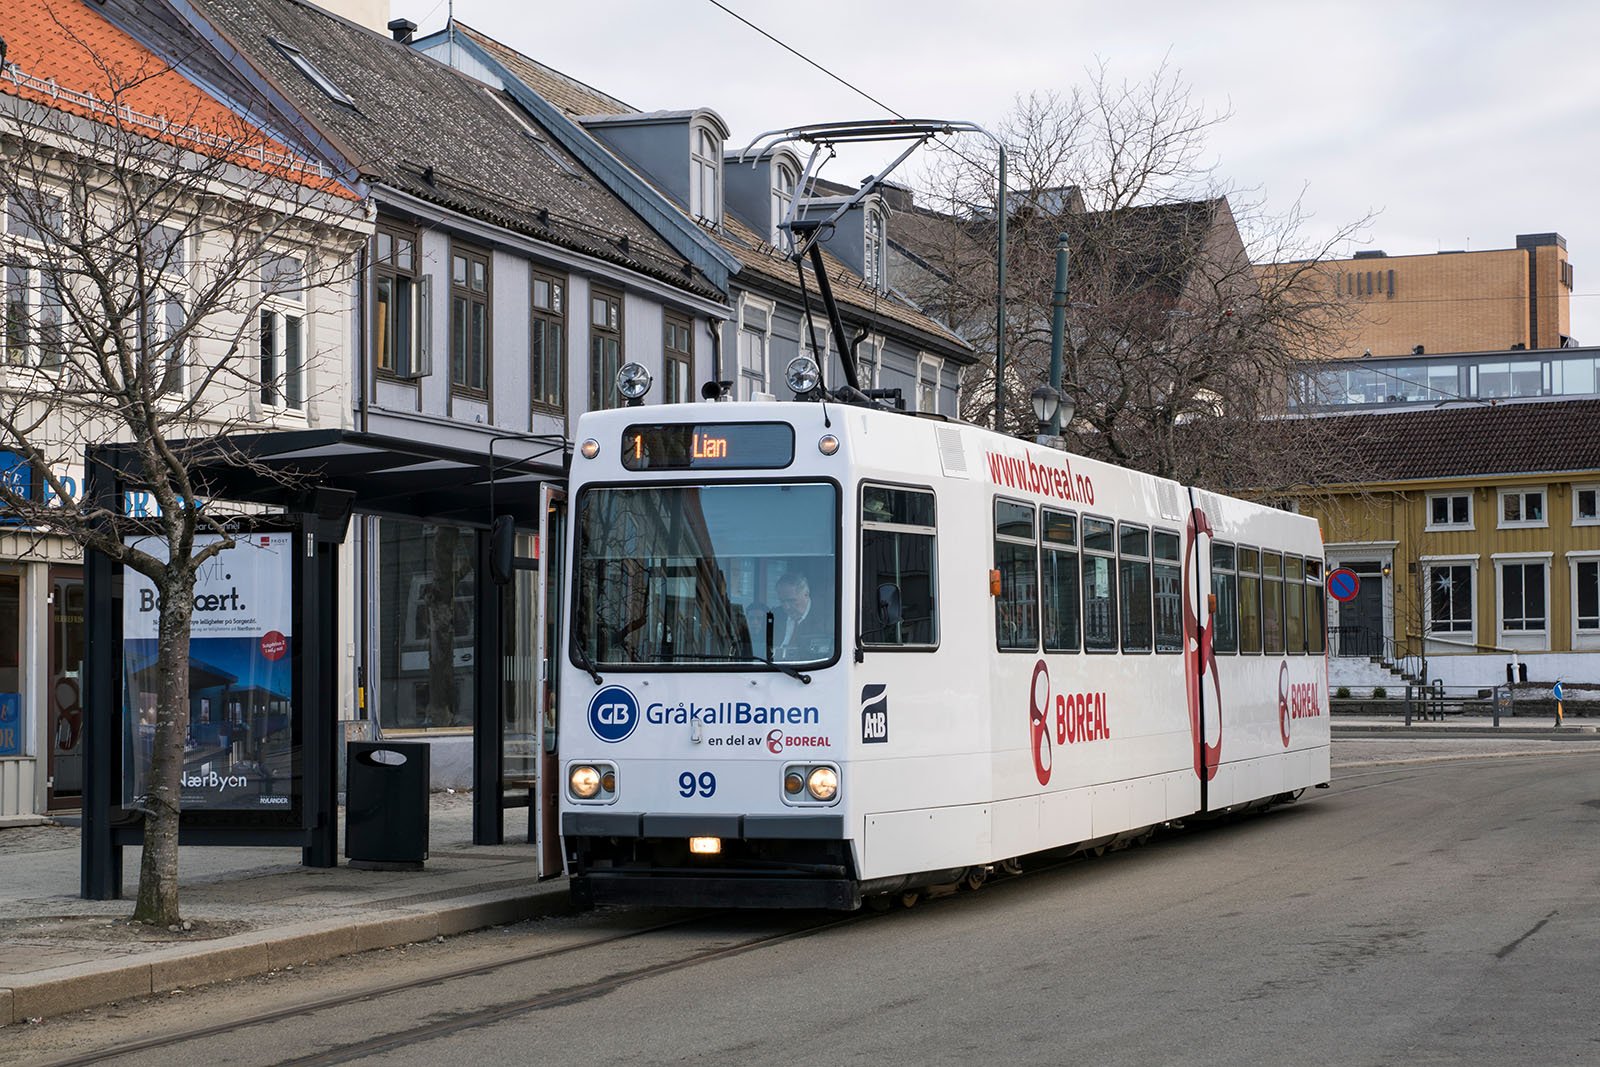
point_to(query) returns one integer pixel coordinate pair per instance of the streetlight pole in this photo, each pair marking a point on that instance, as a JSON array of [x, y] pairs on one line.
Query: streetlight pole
[[1058, 327]]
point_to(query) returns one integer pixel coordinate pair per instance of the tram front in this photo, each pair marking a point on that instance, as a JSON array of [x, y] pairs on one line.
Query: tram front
[[702, 730]]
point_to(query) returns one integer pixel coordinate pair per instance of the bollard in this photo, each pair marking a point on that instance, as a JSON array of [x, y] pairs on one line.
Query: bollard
[[1408, 703]]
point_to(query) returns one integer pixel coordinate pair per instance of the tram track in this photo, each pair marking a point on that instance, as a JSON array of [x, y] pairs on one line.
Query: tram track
[[463, 1020]]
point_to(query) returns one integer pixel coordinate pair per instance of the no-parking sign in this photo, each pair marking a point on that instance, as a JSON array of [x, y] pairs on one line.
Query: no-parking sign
[[1343, 584]]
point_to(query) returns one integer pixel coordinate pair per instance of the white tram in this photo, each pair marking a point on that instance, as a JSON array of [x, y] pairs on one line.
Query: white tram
[[819, 652]]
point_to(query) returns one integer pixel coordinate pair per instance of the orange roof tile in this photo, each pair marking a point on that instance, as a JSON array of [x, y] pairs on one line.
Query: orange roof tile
[[70, 58]]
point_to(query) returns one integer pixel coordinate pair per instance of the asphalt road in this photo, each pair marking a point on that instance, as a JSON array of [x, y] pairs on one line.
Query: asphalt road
[[1417, 913]]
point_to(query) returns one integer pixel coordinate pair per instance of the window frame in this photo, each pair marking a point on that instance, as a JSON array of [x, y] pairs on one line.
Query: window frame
[[748, 376], [1114, 600], [1433, 526], [996, 540], [1586, 487], [1171, 563], [602, 388], [863, 525], [1124, 558], [418, 362], [465, 292], [1522, 560], [1429, 627], [1072, 549], [1583, 637], [1241, 575], [875, 249], [555, 314], [1230, 574], [22, 254], [1523, 524], [280, 308], [684, 357], [703, 168], [782, 201]]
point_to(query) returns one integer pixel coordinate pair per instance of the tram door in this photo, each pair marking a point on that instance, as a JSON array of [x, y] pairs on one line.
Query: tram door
[[552, 585]]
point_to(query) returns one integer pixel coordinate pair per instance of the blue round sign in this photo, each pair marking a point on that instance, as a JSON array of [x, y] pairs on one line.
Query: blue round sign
[[1343, 584], [613, 714]]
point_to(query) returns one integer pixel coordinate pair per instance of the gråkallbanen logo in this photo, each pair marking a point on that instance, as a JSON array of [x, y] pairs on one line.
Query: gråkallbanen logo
[[613, 714]]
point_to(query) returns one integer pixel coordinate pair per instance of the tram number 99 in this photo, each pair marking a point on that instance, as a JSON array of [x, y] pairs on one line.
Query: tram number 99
[[689, 785]]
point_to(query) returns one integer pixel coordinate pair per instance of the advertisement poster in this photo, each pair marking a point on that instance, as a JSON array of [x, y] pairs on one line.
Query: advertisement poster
[[239, 749], [10, 724]]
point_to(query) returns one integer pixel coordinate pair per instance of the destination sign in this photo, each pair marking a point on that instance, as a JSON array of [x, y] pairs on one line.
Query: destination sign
[[708, 446]]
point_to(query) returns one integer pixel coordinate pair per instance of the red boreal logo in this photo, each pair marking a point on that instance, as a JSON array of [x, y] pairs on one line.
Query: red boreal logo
[[1296, 700], [274, 645], [1199, 655], [1079, 718], [775, 741]]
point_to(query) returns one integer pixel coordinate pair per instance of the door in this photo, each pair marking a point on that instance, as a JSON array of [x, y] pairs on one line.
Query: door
[[1361, 619], [66, 689], [552, 549]]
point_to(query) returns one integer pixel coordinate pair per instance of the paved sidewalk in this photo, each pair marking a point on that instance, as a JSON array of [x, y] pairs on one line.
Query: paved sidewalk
[[252, 911], [1576, 727]]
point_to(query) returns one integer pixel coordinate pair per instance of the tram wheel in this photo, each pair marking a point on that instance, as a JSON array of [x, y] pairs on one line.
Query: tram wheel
[[974, 878], [1011, 866], [910, 897]]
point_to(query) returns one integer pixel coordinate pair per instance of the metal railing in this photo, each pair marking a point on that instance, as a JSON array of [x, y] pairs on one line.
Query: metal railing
[[1366, 643]]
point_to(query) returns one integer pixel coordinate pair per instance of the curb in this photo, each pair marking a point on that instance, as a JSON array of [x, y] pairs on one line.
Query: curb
[[89, 985]]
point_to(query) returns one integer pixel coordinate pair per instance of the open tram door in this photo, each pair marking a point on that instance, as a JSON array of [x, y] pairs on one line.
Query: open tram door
[[552, 588]]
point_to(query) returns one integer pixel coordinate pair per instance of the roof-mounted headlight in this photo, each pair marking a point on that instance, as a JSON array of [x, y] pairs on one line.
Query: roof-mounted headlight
[[633, 382], [803, 375]]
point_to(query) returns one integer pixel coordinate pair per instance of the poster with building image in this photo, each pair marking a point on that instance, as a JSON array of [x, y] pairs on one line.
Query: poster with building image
[[239, 746]]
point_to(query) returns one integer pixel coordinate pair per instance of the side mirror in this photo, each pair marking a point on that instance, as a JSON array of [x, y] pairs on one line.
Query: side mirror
[[890, 610], [502, 548]]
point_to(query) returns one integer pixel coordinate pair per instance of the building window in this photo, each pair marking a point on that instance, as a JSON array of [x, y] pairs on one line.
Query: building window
[[677, 359], [1449, 511], [1450, 598], [1522, 507], [1587, 595], [752, 362], [899, 594], [469, 321], [313, 73], [783, 186], [605, 348], [402, 305], [33, 331], [1016, 609], [1522, 597], [283, 333], [547, 342], [875, 261], [927, 385], [705, 176], [1585, 505]]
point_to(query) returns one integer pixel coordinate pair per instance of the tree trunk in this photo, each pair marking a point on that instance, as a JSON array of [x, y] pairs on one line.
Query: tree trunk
[[158, 867]]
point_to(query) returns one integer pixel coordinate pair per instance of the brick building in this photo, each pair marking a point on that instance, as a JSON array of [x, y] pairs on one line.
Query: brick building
[[1493, 300]]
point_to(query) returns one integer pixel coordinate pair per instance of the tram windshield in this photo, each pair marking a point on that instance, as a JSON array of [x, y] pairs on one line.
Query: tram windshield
[[698, 577]]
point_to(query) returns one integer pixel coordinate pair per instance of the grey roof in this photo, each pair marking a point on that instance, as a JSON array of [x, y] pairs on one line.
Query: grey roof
[[425, 129]]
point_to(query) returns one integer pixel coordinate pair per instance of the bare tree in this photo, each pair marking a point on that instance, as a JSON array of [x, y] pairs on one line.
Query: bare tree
[[1179, 347], [159, 274]]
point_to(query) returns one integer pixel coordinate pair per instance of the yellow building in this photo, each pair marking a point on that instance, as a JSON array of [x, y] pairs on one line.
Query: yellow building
[[1478, 541], [1457, 301]]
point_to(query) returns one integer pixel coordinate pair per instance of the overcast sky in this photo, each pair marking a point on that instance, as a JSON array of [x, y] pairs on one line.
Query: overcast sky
[[1462, 124]]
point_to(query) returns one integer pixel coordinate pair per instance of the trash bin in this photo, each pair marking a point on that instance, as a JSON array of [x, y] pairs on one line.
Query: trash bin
[[386, 806]]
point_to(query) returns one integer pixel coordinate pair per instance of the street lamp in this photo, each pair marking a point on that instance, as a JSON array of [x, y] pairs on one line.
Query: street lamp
[[1048, 406]]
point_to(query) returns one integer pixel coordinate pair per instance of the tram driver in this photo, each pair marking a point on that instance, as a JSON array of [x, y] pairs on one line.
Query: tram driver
[[801, 630]]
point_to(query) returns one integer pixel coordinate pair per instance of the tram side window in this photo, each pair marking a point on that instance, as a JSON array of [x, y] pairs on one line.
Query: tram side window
[[1016, 552], [1225, 611], [1249, 600], [1272, 603], [1168, 592], [1062, 622], [1294, 620], [899, 595], [1316, 613], [1134, 581], [1099, 598]]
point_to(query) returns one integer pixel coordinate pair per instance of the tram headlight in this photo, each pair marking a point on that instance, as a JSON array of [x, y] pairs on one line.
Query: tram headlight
[[803, 374], [633, 381], [590, 448], [794, 783], [592, 781], [823, 783]]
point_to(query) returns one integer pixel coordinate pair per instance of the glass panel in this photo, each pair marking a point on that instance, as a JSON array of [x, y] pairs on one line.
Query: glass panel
[[1294, 622], [293, 377], [402, 325], [476, 367], [1533, 507], [881, 504], [1225, 617], [690, 576], [1016, 608], [1249, 612], [1587, 501], [1589, 596], [1099, 602], [898, 566], [1013, 520], [1059, 527], [1135, 587], [427, 629], [458, 270], [66, 681], [1098, 536], [269, 359], [1060, 591], [383, 320], [541, 293], [1169, 607], [1135, 541], [1316, 619]]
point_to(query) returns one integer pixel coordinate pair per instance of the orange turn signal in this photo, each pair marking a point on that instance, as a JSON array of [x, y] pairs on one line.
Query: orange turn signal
[[994, 583]]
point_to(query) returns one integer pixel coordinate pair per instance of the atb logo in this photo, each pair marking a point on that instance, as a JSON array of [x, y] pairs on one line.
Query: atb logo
[[613, 714], [874, 714]]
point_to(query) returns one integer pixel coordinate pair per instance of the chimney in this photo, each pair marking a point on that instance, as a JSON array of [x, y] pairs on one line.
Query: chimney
[[403, 30]]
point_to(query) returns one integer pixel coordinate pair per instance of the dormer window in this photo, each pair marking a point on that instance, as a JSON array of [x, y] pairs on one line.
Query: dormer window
[[705, 175], [783, 185], [313, 72], [875, 260]]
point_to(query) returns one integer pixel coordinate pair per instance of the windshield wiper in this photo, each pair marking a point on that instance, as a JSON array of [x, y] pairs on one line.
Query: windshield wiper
[[586, 663], [784, 667]]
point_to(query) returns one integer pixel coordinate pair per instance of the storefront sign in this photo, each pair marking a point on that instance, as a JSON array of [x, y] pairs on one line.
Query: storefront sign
[[10, 724], [239, 749]]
